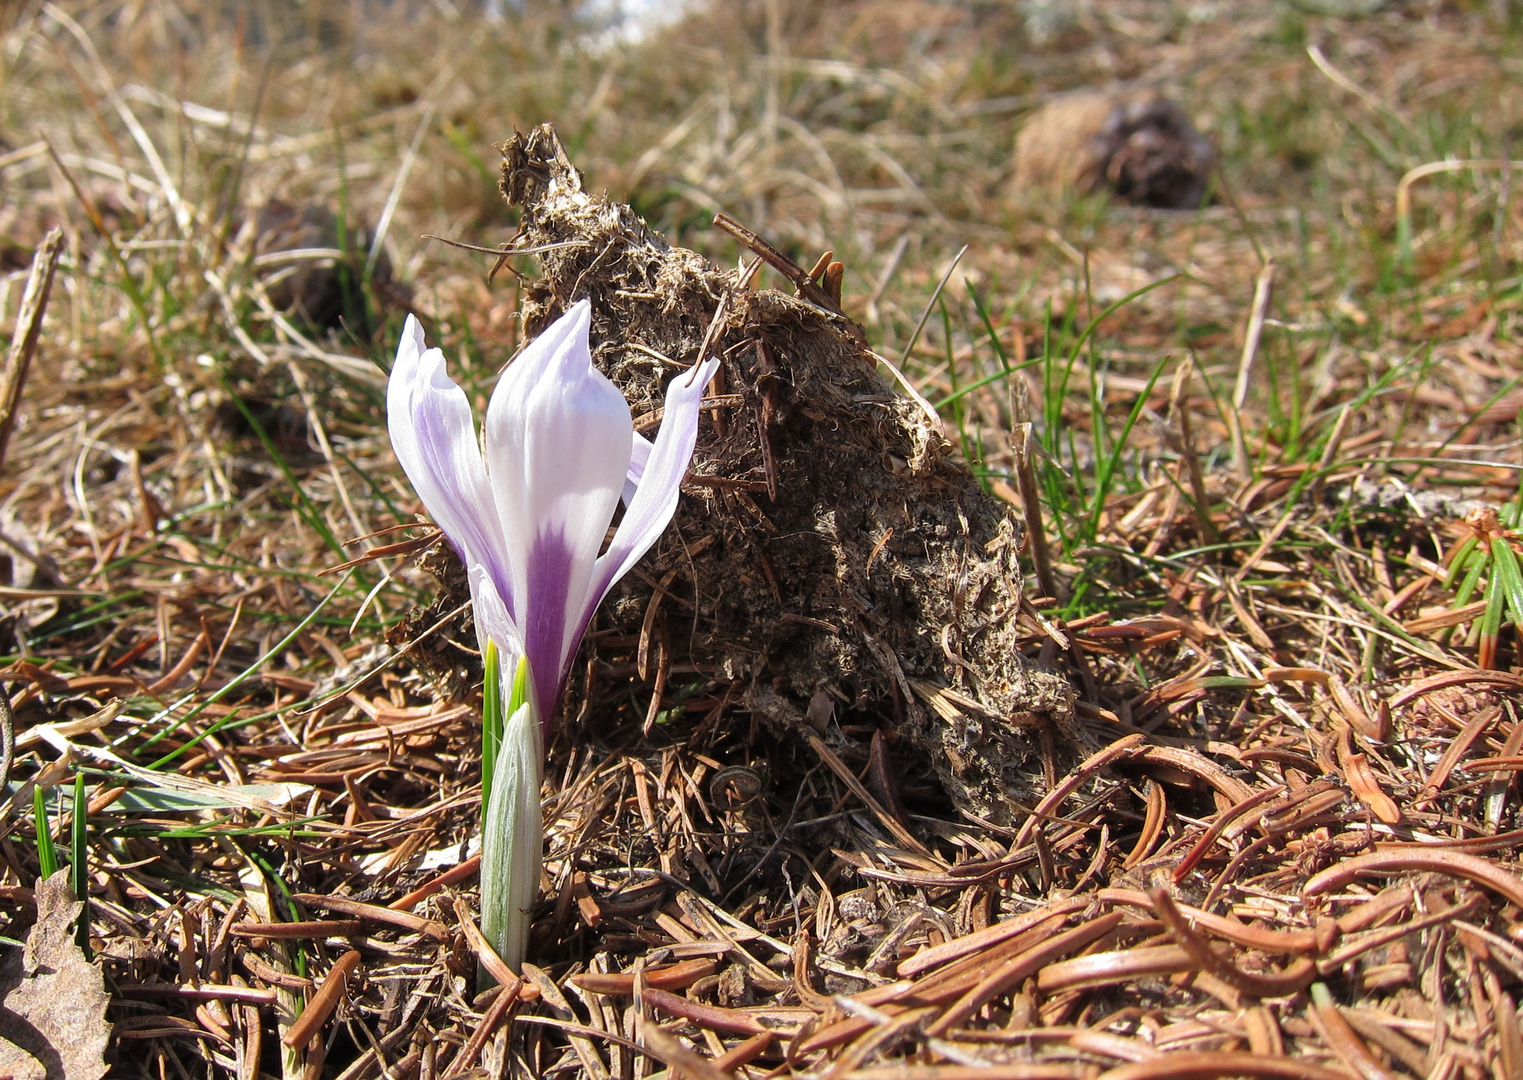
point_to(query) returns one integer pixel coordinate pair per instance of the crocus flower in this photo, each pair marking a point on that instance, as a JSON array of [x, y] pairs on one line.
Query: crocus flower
[[529, 518]]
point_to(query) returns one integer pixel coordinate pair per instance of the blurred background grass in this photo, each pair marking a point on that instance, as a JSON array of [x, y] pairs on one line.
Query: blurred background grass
[[881, 129]]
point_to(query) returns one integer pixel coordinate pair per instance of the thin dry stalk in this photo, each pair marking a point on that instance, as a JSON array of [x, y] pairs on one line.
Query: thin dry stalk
[[24, 339]]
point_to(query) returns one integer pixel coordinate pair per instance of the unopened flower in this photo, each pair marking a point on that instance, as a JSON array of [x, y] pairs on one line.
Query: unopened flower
[[529, 518]]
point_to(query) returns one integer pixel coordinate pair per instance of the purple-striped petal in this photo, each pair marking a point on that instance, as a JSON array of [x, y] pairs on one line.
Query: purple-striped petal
[[434, 438], [558, 441], [529, 520]]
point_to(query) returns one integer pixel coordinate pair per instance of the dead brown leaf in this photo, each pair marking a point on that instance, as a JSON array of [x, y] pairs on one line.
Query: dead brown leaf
[[52, 1000]]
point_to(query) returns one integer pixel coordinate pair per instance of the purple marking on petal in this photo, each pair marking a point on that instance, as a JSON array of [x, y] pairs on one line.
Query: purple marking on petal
[[551, 585], [562, 450], [559, 449]]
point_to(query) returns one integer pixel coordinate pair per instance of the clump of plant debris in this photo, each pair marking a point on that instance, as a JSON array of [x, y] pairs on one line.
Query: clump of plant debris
[[830, 558], [1138, 144]]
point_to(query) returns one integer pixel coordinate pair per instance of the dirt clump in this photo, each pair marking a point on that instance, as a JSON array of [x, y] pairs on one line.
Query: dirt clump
[[830, 556], [1137, 143]]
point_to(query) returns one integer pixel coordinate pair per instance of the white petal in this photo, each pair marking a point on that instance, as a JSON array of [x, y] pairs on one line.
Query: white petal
[[434, 438], [528, 367], [559, 449], [493, 623], [638, 456], [650, 511]]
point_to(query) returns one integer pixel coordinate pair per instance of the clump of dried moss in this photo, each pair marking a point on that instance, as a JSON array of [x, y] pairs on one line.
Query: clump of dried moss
[[831, 557]]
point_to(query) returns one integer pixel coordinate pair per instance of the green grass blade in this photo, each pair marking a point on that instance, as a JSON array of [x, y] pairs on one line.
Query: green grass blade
[[1473, 415], [520, 692], [1479, 560], [1491, 619], [1006, 368], [1505, 568], [1457, 565], [491, 717], [1512, 516], [292, 912], [1105, 468], [1105, 313], [984, 317], [47, 858], [304, 505], [980, 384], [79, 862], [238, 680], [1054, 389]]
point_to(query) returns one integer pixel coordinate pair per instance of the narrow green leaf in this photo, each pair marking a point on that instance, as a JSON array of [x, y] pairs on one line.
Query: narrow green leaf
[[1107, 312], [979, 384], [79, 863], [1105, 468], [520, 692], [494, 715], [46, 856], [491, 717], [292, 912], [1461, 557], [983, 316], [1479, 560], [1505, 568], [1491, 618], [1512, 516], [278, 649], [305, 507], [1229, 682]]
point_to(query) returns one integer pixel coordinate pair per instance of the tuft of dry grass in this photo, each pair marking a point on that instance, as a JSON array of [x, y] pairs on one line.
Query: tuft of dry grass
[[1272, 448]]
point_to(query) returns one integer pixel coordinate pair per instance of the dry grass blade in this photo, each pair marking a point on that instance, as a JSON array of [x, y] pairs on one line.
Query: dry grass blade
[[1345, 1042], [1015, 970], [1000, 1071], [372, 913], [668, 1049], [507, 996], [1263, 290], [981, 940], [28, 331]]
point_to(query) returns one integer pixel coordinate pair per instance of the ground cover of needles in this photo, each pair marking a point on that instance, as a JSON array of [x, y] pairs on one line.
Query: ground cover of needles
[[1270, 458]]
